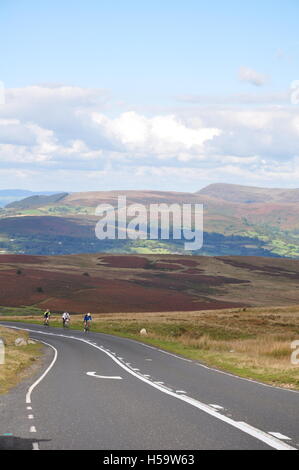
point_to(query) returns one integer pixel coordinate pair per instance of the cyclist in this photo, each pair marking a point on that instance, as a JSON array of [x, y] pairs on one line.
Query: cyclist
[[87, 321], [65, 319], [47, 315]]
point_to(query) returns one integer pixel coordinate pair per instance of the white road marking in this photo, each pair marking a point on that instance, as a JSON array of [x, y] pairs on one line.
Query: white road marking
[[28, 395], [159, 383], [29, 407], [30, 417], [180, 391], [280, 436], [217, 407], [32, 429], [169, 389], [244, 427], [35, 446], [146, 375], [94, 374], [137, 370], [120, 358]]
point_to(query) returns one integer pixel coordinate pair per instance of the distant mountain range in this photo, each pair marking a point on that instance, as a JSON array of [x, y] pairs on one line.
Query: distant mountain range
[[10, 195], [238, 220]]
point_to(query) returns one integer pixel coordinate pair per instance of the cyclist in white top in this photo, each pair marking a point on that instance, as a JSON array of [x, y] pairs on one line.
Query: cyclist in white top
[[65, 318]]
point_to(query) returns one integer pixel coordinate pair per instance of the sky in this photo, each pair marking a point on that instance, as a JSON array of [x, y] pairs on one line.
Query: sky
[[125, 94]]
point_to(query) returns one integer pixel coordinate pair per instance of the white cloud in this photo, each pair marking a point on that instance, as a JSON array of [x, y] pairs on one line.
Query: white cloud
[[161, 135], [251, 76]]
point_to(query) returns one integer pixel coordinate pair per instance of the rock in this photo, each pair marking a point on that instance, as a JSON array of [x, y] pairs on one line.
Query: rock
[[143, 332], [30, 341], [20, 342]]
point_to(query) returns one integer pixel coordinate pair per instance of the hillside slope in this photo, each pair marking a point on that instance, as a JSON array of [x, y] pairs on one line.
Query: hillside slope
[[248, 194], [104, 283]]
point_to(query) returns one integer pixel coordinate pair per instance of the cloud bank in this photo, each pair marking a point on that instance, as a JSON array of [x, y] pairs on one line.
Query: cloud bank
[[71, 138]]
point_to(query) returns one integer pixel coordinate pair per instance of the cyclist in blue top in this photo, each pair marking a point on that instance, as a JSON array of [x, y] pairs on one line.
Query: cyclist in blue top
[[87, 321]]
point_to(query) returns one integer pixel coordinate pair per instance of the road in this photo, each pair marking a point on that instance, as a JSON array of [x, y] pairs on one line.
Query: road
[[99, 391]]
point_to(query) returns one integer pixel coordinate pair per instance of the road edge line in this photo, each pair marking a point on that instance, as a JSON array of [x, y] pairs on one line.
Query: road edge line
[[32, 387]]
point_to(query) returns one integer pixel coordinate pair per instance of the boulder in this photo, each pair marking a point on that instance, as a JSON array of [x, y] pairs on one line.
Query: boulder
[[143, 332], [20, 342]]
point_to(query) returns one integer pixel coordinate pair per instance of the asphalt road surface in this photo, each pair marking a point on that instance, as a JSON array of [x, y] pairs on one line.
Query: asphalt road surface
[[104, 392]]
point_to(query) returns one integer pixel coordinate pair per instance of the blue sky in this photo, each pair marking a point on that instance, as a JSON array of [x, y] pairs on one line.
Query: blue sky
[[138, 94]]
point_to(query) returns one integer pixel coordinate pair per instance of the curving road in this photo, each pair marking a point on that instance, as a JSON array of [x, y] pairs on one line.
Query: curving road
[[104, 392]]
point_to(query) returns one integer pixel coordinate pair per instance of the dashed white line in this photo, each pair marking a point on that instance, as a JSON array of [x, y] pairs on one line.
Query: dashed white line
[[30, 417], [33, 429], [180, 391], [29, 408], [217, 407], [280, 436], [35, 446]]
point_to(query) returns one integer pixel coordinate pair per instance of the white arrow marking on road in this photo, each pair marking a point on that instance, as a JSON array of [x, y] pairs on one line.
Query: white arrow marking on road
[[94, 374]]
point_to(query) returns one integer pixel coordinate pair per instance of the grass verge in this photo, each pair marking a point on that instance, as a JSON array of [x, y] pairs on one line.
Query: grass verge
[[17, 359]]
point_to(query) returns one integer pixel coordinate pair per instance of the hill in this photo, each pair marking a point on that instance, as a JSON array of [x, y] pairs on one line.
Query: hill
[[249, 195], [238, 220], [8, 196], [36, 201], [104, 283]]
